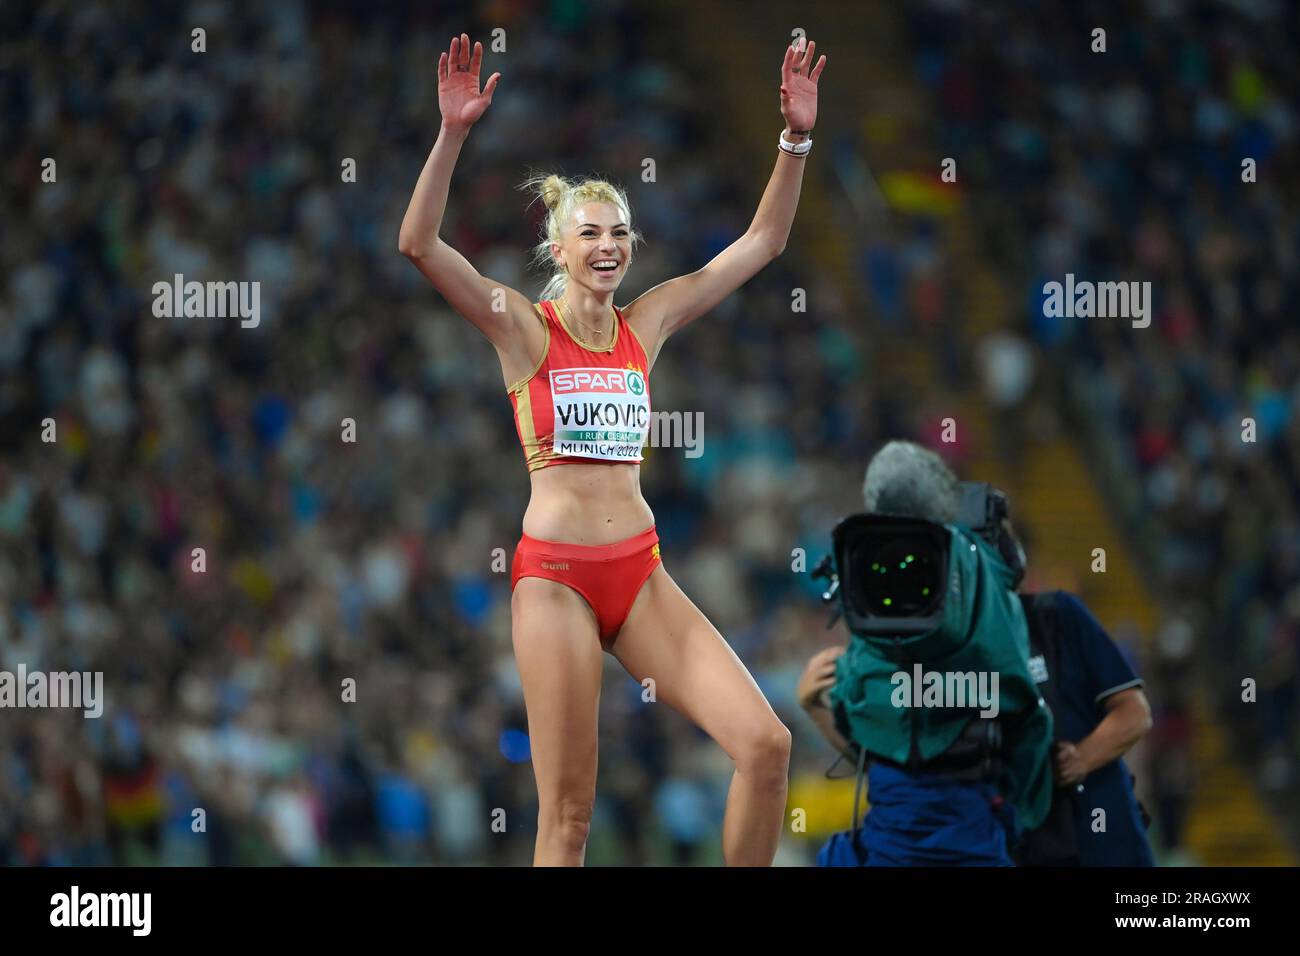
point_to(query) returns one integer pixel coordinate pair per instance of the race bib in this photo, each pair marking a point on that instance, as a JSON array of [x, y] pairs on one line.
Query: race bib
[[601, 413]]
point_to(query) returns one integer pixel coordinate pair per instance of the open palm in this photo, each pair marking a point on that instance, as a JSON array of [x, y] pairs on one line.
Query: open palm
[[799, 84], [459, 98]]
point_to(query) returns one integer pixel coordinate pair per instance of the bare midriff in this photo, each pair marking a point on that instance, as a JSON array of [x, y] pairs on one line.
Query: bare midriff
[[587, 504]]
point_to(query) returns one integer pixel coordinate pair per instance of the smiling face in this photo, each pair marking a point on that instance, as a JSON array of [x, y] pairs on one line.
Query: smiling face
[[596, 236]]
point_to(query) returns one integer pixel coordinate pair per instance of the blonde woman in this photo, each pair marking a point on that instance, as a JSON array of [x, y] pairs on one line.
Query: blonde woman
[[587, 575]]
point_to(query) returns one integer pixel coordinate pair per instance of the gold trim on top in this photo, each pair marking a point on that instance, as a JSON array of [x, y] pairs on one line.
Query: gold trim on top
[[637, 335], [576, 340], [546, 350], [524, 418], [545, 459]]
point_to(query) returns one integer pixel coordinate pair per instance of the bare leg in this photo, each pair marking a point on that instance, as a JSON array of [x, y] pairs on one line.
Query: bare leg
[[560, 660], [666, 637]]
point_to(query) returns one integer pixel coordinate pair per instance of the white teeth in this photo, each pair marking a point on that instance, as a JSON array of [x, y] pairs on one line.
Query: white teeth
[[604, 262]]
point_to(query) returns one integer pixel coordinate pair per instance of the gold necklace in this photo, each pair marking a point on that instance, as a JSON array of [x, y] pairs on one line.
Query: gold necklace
[[572, 318]]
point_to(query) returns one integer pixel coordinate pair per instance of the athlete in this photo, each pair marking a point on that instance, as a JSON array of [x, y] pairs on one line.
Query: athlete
[[587, 576]]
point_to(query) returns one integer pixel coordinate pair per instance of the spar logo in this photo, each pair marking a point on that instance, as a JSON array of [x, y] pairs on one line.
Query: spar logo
[[614, 381]]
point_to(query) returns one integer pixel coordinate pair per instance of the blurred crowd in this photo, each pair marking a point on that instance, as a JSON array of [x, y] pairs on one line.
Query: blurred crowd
[[230, 733], [1128, 162]]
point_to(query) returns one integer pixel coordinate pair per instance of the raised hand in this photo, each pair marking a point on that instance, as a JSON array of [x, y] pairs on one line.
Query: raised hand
[[459, 98], [799, 85]]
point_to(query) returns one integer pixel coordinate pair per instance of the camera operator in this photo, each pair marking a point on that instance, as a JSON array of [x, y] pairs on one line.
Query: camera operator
[[950, 782], [1100, 712]]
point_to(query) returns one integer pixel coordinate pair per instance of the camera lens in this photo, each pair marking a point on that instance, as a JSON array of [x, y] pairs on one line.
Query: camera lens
[[897, 577]]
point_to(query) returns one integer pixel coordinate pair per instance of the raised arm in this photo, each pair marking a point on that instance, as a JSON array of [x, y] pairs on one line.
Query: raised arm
[[492, 307], [661, 311]]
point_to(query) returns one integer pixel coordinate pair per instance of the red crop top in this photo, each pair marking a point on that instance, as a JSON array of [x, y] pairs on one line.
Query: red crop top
[[582, 405]]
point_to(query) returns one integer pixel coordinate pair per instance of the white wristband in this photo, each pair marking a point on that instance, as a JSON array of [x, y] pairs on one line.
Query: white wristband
[[794, 149]]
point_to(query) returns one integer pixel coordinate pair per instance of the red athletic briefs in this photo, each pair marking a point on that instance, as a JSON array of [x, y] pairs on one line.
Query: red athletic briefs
[[608, 576]]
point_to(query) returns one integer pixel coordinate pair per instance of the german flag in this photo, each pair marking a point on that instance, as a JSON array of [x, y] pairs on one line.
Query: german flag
[[133, 797]]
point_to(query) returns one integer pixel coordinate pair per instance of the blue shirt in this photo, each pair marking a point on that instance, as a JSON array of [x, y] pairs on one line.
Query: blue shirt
[[1091, 668]]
